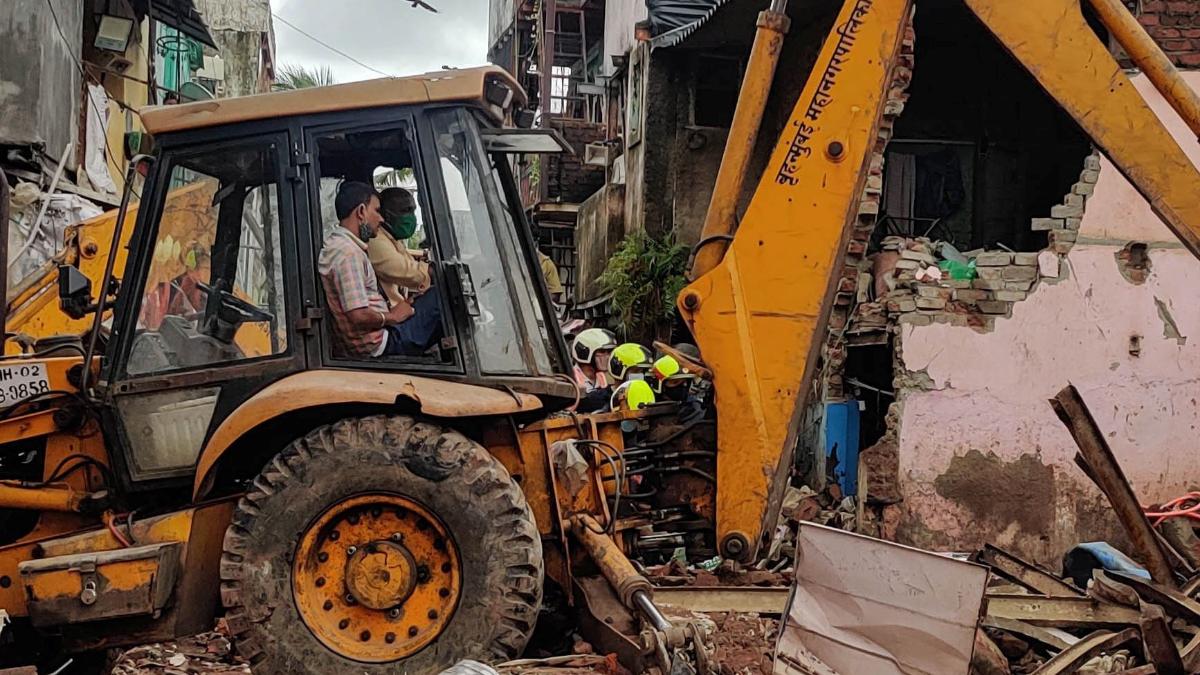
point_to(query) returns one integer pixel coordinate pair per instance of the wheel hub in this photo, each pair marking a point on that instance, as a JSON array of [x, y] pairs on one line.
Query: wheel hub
[[376, 577], [381, 575]]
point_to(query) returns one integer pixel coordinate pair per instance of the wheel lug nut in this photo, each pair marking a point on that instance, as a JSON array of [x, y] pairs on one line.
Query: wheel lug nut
[[343, 623], [365, 635], [352, 550], [376, 512], [334, 535], [393, 613], [389, 638], [412, 631], [439, 544], [353, 520], [350, 599], [323, 557], [444, 592], [422, 573], [328, 605], [397, 537], [320, 582], [432, 614]]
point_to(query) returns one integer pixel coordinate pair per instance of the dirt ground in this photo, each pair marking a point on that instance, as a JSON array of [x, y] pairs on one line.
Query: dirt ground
[[744, 644]]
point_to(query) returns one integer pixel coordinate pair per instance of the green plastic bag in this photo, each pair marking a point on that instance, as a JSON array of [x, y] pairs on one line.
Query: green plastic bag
[[957, 270]]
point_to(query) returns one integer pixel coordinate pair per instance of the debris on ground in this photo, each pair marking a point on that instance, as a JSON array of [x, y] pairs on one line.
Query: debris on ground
[[207, 653]]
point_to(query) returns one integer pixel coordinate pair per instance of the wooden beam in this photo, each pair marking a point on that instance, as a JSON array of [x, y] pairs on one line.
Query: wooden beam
[[1060, 612], [1108, 476], [1026, 574], [1079, 653], [724, 598]]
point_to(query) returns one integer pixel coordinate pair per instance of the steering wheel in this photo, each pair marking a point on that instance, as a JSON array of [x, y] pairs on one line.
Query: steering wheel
[[243, 310]]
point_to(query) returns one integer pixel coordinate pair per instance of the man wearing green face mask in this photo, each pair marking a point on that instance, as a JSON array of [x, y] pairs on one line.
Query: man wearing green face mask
[[400, 274], [402, 277]]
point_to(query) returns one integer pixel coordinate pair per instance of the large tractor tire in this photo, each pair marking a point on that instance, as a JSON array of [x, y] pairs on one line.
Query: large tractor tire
[[381, 545]]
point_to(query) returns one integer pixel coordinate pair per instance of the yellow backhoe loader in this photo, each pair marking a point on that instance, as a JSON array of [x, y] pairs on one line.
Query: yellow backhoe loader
[[202, 447]]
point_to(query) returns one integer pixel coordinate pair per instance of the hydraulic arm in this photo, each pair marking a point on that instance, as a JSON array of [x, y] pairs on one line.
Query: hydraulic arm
[[757, 311]]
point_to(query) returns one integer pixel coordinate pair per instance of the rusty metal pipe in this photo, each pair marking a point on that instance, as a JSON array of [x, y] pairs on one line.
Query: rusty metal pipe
[[41, 498], [613, 564], [1147, 55], [719, 222]]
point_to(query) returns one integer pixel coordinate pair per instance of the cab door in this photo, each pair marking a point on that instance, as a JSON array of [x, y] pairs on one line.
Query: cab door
[[207, 312]]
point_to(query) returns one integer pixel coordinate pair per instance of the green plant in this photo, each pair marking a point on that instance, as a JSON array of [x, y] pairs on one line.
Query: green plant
[[292, 76], [644, 276]]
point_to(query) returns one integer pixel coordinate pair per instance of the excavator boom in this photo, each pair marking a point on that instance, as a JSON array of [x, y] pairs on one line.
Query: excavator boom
[[758, 312]]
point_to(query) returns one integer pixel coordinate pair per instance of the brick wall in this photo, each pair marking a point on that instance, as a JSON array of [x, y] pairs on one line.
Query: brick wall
[[568, 179], [1175, 25]]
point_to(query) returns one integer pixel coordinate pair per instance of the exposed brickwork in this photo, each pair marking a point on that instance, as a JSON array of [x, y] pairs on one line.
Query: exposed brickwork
[[567, 178], [1175, 26], [834, 349], [1002, 278]]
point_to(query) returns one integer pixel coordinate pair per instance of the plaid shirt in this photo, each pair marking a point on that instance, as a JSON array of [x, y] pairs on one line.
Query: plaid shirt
[[350, 284]]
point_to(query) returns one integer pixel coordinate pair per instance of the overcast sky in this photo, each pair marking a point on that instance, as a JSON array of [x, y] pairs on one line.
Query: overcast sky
[[390, 35]]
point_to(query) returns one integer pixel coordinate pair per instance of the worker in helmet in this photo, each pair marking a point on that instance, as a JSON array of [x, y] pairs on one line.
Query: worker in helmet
[[631, 395], [669, 379], [591, 350], [630, 361]]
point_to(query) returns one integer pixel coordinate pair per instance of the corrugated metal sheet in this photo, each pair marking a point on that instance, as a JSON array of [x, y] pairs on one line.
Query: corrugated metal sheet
[[672, 21], [179, 14]]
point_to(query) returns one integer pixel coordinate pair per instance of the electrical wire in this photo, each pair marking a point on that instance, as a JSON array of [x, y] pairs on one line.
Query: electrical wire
[[1186, 506], [326, 45], [110, 522], [62, 471]]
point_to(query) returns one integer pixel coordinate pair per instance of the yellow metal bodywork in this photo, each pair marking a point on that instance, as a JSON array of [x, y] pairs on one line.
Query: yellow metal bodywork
[[198, 528], [315, 388], [1054, 43], [756, 316], [465, 85]]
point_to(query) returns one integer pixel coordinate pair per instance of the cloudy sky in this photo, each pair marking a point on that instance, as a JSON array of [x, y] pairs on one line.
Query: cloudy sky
[[389, 35]]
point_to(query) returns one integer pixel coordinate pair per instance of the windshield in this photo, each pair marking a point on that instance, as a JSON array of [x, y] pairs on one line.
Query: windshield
[[510, 336]]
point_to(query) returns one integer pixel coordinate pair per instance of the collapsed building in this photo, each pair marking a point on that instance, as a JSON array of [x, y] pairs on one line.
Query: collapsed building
[[930, 403]]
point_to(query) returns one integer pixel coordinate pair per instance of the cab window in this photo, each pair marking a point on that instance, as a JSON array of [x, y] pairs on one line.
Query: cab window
[[214, 289], [509, 331]]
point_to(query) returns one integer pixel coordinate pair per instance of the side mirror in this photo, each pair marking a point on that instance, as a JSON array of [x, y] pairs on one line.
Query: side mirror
[[74, 292]]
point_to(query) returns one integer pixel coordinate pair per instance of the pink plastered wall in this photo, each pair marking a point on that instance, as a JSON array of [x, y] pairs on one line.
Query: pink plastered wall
[[983, 457]]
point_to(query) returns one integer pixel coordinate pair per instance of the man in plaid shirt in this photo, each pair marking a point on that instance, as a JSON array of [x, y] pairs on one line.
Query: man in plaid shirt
[[364, 324]]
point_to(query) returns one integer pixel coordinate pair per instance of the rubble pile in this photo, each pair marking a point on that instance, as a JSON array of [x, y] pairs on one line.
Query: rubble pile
[[207, 653], [745, 643]]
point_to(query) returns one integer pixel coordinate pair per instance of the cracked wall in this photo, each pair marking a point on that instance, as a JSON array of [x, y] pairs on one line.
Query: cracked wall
[[979, 427]]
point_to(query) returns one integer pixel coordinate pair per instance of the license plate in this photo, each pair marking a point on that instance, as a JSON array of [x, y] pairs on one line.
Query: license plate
[[21, 381]]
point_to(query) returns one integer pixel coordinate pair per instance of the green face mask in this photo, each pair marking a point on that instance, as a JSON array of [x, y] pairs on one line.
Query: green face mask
[[402, 227]]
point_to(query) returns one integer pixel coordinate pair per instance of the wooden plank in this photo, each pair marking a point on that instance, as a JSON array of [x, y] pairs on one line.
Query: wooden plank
[[1160, 645], [724, 598], [1061, 612], [1051, 637], [1026, 574], [1108, 476], [1175, 603], [1079, 653]]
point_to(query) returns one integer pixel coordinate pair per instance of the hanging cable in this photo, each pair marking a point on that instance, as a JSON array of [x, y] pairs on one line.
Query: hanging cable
[[328, 46]]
